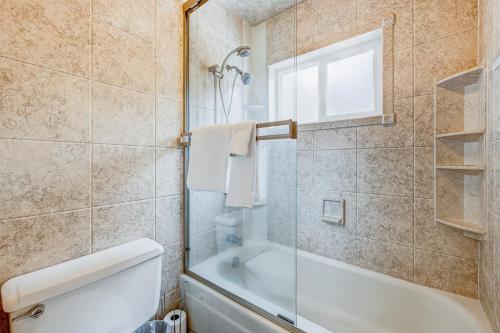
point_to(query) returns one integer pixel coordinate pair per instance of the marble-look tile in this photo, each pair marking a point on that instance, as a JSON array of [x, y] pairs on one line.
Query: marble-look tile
[[121, 174], [169, 82], [397, 135], [169, 118], [338, 138], [335, 170], [496, 176], [122, 116], [79, 4], [454, 274], [437, 237], [41, 104], [305, 26], [172, 267], [424, 172], [281, 204], [43, 177], [119, 224], [310, 206], [424, 121], [385, 171], [283, 233], [46, 33], [305, 169], [440, 58], [122, 59], [169, 164], [329, 244], [403, 73], [29, 244], [305, 140], [333, 17], [490, 174], [169, 219], [281, 165], [439, 18], [385, 218], [373, 12], [169, 27], [487, 246], [134, 17], [486, 296], [386, 258]]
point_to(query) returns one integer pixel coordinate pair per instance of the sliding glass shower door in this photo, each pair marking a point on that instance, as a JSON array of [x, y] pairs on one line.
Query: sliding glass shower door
[[247, 253]]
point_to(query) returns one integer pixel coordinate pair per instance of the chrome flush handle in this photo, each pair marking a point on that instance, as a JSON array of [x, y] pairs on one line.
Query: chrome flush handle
[[35, 312]]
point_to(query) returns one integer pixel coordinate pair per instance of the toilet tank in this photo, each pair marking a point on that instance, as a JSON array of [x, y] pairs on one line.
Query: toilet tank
[[112, 291]]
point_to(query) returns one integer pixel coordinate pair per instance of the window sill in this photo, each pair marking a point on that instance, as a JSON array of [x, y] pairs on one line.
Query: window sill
[[355, 122]]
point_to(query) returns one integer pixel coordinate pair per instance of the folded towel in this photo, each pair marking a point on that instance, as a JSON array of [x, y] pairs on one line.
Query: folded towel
[[208, 158], [241, 133], [242, 180]]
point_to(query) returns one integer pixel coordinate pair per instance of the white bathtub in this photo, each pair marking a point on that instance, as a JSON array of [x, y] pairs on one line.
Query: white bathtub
[[333, 296]]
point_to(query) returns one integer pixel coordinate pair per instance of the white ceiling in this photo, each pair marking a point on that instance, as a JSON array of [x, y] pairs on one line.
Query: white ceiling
[[257, 11]]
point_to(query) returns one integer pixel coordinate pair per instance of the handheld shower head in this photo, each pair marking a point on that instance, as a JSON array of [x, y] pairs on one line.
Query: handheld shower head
[[244, 51], [246, 78]]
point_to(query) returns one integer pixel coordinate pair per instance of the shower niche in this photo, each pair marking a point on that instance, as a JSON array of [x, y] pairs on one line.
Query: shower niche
[[459, 172]]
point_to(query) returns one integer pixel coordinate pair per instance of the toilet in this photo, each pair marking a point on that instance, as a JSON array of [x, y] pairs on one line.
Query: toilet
[[112, 291]]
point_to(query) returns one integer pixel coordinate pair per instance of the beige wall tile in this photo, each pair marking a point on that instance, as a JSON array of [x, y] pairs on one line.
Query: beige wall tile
[[424, 172], [169, 119], [79, 4], [305, 140], [454, 274], [487, 246], [46, 33], [439, 18], [335, 170], [42, 104], [169, 75], [487, 297], [385, 171], [305, 169], [329, 244], [305, 26], [397, 135], [29, 244], [437, 237], [122, 59], [43, 177], [169, 219], [122, 116], [403, 73], [386, 258], [169, 27], [172, 267], [168, 172], [338, 138], [440, 58], [333, 17], [121, 174], [119, 224], [372, 12], [424, 120], [134, 17], [385, 218]]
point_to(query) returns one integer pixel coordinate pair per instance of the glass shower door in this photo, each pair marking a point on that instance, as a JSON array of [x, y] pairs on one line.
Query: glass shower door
[[249, 254]]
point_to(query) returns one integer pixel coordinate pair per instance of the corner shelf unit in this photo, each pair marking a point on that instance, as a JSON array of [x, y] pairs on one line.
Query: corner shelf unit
[[459, 152]]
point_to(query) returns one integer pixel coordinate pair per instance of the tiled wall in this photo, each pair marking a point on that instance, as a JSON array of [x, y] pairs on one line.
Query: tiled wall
[[385, 173], [489, 268], [90, 106]]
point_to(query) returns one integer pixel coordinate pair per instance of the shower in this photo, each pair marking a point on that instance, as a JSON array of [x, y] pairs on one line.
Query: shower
[[219, 73]]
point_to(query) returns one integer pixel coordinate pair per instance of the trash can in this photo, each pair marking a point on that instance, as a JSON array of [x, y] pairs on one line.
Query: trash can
[[154, 326]]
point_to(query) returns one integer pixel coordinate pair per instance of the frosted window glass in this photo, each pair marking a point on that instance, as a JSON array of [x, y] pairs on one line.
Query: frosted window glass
[[287, 99], [350, 85], [308, 95]]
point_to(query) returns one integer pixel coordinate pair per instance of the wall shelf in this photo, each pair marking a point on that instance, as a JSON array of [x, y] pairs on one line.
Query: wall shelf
[[459, 152], [462, 136], [463, 225]]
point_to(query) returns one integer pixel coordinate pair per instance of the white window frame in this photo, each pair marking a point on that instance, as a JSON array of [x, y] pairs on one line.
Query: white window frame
[[372, 40]]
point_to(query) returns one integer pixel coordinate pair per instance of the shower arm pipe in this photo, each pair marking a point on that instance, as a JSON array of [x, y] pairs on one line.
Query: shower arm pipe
[[292, 132]]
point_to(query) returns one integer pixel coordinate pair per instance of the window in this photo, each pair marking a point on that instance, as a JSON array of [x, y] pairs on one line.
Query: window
[[339, 81]]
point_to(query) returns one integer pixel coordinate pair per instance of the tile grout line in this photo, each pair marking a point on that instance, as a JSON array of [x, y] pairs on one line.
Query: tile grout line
[[91, 125]]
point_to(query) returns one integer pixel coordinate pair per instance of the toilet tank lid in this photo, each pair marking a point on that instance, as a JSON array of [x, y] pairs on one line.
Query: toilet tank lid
[[39, 286]]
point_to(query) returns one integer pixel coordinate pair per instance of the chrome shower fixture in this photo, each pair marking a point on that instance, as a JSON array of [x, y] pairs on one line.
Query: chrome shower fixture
[[218, 73]]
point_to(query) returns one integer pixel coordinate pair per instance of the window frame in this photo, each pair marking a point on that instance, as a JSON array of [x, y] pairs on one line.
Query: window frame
[[370, 41]]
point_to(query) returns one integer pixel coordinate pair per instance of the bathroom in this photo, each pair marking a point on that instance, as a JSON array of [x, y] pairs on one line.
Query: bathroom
[[375, 203]]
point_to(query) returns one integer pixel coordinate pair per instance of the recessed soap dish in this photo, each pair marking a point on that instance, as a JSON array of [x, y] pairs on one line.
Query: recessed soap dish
[[333, 211]]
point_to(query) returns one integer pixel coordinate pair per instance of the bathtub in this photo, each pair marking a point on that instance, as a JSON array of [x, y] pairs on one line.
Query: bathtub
[[331, 296]]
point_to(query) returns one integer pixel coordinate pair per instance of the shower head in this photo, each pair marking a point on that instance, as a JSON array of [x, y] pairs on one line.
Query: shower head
[[246, 78], [244, 51]]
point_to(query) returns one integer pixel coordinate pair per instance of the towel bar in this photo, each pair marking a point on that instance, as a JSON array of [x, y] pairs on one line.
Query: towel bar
[[292, 132]]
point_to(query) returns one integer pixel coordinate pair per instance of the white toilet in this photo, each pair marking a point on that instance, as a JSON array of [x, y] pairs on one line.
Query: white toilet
[[112, 291]]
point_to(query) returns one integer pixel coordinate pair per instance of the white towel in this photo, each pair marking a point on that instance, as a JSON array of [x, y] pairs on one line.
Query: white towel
[[208, 158], [242, 181]]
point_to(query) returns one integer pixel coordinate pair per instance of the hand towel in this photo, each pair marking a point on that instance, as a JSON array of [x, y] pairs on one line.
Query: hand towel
[[208, 158], [242, 179]]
